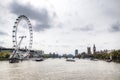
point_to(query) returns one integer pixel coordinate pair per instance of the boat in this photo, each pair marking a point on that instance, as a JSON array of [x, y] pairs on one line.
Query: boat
[[39, 59], [13, 60], [94, 59], [71, 60], [109, 60]]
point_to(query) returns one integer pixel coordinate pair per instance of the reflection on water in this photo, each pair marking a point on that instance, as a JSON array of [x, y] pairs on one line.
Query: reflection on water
[[59, 69]]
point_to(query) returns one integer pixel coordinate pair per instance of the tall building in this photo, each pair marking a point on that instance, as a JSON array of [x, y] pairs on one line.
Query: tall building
[[88, 50], [76, 52], [94, 49]]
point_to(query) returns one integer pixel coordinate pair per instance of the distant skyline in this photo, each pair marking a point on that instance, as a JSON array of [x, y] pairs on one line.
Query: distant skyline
[[63, 25]]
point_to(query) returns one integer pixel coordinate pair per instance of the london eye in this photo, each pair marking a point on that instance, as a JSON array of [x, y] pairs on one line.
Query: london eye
[[19, 53]]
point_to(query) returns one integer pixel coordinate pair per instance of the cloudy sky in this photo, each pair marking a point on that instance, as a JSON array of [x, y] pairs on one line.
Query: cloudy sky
[[63, 25]]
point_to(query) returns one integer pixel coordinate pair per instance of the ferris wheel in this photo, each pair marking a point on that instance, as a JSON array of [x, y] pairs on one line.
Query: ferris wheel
[[15, 36], [15, 29]]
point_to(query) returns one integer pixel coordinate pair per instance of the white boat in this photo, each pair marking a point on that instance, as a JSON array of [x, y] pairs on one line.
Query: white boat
[[39, 59]]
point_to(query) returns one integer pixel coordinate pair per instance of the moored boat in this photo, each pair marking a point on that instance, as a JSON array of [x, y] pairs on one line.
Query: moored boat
[[71, 60], [39, 59], [13, 60], [109, 60]]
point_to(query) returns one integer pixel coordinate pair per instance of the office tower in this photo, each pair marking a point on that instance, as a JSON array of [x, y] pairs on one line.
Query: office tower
[[94, 49], [76, 52], [88, 50]]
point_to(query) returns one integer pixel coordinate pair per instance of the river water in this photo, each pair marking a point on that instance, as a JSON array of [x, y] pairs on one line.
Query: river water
[[60, 69]]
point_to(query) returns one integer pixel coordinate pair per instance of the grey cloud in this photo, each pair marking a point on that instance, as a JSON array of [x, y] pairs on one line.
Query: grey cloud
[[60, 25], [1, 43], [115, 27], [41, 16], [41, 27], [65, 32], [3, 33], [85, 28], [111, 9], [105, 43]]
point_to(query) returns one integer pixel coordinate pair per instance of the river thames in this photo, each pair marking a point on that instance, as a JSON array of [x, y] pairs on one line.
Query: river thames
[[60, 69]]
